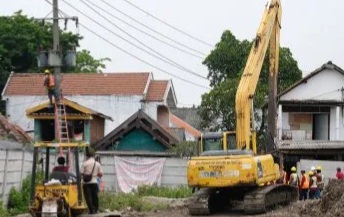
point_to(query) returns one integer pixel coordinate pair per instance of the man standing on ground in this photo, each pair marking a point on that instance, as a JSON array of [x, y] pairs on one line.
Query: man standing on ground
[[293, 179], [91, 166], [320, 182], [304, 185], [339, 174]]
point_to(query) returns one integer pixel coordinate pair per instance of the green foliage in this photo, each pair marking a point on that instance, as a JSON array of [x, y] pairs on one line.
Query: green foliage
[[180, 192], [88, 64], [184, 149], [18, 201], [20, 39], [121, 201], [3, 211], [226, 64]]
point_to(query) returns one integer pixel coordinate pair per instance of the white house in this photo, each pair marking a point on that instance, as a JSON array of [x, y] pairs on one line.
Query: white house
[[117, 95], [310, 113]]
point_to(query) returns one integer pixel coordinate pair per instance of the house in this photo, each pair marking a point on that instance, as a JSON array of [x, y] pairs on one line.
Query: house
[[84, 124], [11, 135], [182, 129], [311, 116], [115, 95], [139, 134]]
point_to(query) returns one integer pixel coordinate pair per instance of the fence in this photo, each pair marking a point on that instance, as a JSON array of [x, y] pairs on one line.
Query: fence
[[15, 165]]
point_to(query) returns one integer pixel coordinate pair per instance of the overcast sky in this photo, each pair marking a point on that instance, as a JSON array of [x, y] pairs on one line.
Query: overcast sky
[[312, 29]]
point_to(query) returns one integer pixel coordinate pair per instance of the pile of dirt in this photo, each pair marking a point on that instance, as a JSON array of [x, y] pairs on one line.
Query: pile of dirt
[[331, 203]]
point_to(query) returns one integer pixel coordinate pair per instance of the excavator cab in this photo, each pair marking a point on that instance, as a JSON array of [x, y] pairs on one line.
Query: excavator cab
[[221, 143], [59, 194]]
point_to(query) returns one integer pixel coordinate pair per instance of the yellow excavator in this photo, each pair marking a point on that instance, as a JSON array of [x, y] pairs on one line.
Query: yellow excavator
[[228, 172]]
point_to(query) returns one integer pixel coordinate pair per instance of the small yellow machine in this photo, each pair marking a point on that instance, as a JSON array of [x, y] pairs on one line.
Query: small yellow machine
[[228, 173], [59, 199]]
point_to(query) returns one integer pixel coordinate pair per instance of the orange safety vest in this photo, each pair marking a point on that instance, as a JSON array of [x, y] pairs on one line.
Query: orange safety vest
[[51, 81], [305, 184]]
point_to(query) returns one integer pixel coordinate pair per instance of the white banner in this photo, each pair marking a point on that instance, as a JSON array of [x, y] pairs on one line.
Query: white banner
[[134, 171]]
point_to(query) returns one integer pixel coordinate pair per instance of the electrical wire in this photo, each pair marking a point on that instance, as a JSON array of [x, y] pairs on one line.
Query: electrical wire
[[169, 25], [313, 97], [151, 29], [169, 61], [136, 57]]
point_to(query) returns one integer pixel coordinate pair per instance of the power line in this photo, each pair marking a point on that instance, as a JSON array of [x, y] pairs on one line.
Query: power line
[[151, 29], [170, 61], [136, 57], [169, 25]]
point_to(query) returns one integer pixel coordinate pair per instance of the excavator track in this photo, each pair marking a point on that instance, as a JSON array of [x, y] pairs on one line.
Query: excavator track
[[266, 198], [207, 201], [198, 202]]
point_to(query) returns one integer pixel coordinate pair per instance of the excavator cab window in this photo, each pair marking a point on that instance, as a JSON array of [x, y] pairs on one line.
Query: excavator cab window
[[212, 144], [231, 141]]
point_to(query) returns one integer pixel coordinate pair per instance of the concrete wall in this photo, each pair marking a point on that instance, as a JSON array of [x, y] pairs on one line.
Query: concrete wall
[[328, 167], [337, 128], [15, 165]]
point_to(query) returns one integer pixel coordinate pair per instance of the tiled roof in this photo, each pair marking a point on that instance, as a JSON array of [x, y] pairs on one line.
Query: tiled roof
[[80, 84], [189, 115], [310, 145], [156, 90], [12, 131], [182, 124]]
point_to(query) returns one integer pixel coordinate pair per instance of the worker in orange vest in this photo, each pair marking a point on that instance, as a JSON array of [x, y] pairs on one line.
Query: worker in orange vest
[[304, 185], [49, 83]]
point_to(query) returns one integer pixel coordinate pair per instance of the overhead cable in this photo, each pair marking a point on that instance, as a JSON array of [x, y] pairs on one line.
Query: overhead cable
[[160, 57], [169, 25], [151, 29], [134, 56]]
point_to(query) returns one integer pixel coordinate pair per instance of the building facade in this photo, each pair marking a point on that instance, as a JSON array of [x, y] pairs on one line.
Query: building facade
[[116, 95]]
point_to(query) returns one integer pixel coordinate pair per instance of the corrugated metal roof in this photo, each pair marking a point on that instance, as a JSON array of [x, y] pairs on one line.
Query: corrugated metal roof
[[310, 145]]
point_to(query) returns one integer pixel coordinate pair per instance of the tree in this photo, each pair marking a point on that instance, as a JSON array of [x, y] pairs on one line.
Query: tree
[[226, 64], [21, 38], [88, 64]]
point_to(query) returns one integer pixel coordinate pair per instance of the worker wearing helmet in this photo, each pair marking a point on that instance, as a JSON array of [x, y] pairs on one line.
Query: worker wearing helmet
[[320, 182], [304, 185], [49, 83], [293, 179], [312, 185]]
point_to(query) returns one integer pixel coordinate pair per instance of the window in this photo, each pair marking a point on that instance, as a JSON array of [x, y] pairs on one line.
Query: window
[[212, 144]]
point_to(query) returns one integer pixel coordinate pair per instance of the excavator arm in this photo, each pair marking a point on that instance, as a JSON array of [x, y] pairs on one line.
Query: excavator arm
[[268, 34]]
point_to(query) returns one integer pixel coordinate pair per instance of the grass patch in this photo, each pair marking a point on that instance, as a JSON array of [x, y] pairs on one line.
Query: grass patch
[[134, 201], [179, 192], [121, 201]]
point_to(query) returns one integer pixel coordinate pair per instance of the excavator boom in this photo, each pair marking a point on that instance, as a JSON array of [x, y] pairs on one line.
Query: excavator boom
[[268, 33]]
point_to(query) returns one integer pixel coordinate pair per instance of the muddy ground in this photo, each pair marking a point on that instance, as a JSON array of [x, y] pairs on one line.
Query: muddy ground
[[331, 205]]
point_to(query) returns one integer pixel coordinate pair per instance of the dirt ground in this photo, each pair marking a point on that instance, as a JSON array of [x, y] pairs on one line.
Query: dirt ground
[[331, 204]]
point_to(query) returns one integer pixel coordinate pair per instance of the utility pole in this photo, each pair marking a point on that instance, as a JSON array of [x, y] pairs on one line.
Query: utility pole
[[56, 49]]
